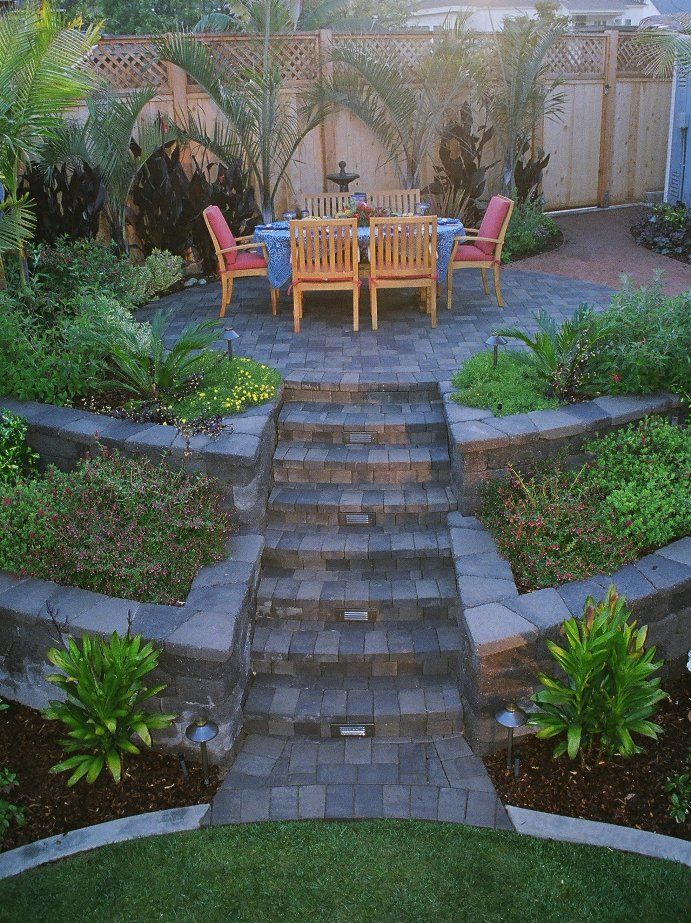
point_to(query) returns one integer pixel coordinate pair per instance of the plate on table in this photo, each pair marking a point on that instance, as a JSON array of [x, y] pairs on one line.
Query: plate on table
[[448, 221], [279, 226]]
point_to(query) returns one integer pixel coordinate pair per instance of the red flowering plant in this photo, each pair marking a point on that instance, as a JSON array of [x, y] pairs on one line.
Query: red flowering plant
[[115, 525], [363, 211]]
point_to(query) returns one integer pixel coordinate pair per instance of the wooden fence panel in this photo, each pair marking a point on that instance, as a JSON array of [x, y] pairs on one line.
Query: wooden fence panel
[[640, 139]]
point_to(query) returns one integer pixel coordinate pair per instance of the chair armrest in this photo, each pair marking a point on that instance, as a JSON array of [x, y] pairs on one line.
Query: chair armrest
[[246, 237], [471, 240], [257, 246]]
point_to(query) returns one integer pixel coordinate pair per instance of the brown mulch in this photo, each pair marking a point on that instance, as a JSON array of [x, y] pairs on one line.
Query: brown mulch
[[29, 746], [622, 791]]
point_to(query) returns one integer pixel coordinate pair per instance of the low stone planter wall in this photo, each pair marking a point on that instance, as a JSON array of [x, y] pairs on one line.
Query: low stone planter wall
[[239, 459], [504, 632], [483, 446], [205, 643]]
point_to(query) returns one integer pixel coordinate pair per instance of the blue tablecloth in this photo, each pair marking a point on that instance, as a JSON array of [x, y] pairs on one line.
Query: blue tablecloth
[[277, 240]]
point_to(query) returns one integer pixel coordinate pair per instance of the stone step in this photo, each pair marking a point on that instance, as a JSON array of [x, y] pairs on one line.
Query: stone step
[[310, 649], [349, 388], [349, 424], [340, 549], [408, 506], [397, 600], [396, 706], [304, 463]]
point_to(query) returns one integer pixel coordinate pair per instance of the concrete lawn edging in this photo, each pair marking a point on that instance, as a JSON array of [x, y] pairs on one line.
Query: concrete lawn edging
[[483, 446], [155, 823], [596, 833], [204, 643], [239, 459]]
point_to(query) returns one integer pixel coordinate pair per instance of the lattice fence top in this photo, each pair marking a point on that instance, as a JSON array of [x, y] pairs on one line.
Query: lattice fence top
[[577, 56], [129, 64], [296, 55], [633, 58], [409, 49]]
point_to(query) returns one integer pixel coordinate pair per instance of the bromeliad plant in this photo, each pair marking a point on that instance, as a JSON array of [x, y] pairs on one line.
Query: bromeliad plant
[[104, 685], [609, 693]]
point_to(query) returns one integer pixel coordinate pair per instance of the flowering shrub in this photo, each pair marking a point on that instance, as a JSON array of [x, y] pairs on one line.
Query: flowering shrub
[[363, 211], [512, 387], [115, 525], [644, 474], [552, 526], [17, 458], [530, 231]]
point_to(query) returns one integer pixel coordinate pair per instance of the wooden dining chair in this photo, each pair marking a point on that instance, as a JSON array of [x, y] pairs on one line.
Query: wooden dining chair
[[326, 204], [400, 201], [324, 257], [235, 256], [403, 254], [480, 248]]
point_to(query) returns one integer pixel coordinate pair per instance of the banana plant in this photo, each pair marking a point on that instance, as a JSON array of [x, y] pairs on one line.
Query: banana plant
[[103, 681]]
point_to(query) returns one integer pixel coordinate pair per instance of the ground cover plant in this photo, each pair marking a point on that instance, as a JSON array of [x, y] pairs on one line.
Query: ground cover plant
[[666, 229], [512, 386], [370, 871], [17, 458], [9, 812], [530, 231], [556, 525], [120, 526]]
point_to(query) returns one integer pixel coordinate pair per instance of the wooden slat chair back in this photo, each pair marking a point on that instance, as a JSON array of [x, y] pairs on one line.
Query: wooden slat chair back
[[480, 248], [400, 201], [403, 254], [326, 204], [237, 257], [324, 256]]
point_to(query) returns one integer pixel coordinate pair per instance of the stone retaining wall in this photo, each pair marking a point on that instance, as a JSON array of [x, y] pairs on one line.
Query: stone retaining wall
[[205, 643], [483, 446], [239, 459], [504, 632]]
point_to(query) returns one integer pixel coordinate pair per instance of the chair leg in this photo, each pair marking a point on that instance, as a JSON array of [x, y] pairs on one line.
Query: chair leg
[[224, 302], [497, 285], [356, 309], [297, 310], [449, 289], [373, 306], [274, 301], [485, 281], [432, 295]]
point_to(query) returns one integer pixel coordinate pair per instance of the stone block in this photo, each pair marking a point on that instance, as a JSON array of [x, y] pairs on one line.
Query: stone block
[[494, 627], [663, 572], [678, 551], [543, 608]]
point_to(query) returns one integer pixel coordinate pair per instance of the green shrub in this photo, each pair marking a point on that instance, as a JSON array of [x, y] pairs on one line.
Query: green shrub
[[8, 811], [553, 527], [160, 271], [104, 707], [228, 387], [562, 355], [648, 342], [512, 387], [643, 473], [99, 324], [530, 231], [115, 525], [609, 693], [17, 458], [678, 787]]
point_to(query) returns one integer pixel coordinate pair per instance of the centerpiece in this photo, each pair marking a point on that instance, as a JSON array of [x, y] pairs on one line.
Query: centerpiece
[[363, 211]]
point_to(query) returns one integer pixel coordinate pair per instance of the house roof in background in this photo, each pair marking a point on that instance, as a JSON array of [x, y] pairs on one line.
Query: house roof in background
[[595, 6], [670, 7]]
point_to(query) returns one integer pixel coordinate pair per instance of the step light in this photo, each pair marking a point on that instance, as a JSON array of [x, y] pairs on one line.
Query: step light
[[352, 730], [358, 615], [356, 519], [358, 438]]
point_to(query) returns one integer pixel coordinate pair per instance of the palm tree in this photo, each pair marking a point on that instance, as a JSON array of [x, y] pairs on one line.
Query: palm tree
[[251, 15], [520, 92], [667, 46], [106, 143], [407, 116], [42, 73], [260, 126]]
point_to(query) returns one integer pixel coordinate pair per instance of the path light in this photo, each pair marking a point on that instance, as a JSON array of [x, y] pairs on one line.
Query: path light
[[230, 336], [511, 716], [201, 732], [495, 341]]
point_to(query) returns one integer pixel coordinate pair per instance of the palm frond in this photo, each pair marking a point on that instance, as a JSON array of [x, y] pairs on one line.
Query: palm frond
[[663, 48], [17, 223]]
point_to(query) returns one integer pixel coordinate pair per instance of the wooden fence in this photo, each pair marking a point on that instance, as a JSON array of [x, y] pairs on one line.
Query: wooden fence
[[608, 148]]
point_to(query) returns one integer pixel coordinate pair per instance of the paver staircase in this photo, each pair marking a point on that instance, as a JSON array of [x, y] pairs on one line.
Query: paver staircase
[[356, 616]]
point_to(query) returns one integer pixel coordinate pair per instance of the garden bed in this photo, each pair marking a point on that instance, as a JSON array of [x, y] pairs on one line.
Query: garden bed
[[621, 791], [151, 781]]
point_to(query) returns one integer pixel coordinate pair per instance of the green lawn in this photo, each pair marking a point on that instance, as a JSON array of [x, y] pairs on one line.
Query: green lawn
[[380, 870]]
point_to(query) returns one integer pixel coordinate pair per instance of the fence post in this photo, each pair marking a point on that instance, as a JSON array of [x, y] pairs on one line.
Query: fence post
[[609, 103], [328, 125]]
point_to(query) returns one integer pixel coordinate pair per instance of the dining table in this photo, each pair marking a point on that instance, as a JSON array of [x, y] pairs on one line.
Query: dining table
[[276, 237]]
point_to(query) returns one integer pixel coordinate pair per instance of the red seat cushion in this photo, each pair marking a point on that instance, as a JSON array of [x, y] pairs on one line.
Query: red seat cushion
[[247, 259], [224, 236], [492, 222], [469, 252]]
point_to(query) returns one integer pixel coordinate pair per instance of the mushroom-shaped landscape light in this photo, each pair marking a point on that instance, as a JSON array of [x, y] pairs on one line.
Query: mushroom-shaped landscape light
[[495, 341], [510, 717], [201, 732], [230, 336]]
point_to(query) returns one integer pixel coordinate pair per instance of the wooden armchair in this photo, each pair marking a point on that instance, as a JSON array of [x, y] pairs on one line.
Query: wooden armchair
[[324, 257], [480, 248], [237, 257], [326, 204], [403, 254], [401, 201]]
